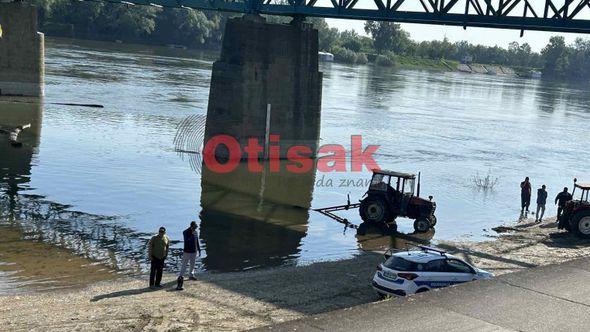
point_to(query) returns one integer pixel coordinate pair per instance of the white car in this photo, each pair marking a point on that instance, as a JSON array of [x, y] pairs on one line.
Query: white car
[[416, 271]]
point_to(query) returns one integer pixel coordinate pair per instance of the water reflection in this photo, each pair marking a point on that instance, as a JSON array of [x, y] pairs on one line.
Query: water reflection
[[99, 238], [15, 164], [374, 240], [253, 219], [548, 96]]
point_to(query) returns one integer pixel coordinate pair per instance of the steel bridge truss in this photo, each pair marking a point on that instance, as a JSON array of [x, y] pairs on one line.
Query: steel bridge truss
[[545, 15]]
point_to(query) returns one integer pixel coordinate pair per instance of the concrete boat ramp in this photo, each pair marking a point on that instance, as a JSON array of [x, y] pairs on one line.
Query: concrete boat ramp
[[548, 298]]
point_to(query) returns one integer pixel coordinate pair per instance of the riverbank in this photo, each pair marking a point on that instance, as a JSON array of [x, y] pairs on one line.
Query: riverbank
[[418, 63], [244, 300]]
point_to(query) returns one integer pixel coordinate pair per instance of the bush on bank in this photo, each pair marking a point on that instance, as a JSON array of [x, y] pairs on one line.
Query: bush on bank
[[385, 60], [344, 55]]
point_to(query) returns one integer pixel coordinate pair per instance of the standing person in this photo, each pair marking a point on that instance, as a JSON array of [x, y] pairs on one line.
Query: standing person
[[541, 201], [525, 194], [189, 254], [158, 251], [562, 198]]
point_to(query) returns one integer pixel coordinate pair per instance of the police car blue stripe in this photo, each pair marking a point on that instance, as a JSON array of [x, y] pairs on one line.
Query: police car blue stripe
[[437, 284], [395, 281]]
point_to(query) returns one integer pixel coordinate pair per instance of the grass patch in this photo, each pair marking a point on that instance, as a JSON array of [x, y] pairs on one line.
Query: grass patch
[[421, 63]]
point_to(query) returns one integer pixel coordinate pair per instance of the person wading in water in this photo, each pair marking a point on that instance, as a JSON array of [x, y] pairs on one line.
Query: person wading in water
[[525, 195], [541, 201]]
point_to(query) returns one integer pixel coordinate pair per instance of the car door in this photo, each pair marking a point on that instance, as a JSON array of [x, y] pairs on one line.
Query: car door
[[434, 275], [458, 272]]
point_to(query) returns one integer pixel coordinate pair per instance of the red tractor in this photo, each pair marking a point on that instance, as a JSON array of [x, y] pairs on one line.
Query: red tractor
[[391, 195], [576, 213]]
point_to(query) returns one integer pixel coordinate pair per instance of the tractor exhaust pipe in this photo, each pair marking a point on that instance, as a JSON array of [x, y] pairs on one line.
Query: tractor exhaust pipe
[[418, 189], [574, 190]]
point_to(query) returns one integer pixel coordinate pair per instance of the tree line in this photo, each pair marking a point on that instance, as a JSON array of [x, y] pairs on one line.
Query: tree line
[[142, 24], [384, 40]]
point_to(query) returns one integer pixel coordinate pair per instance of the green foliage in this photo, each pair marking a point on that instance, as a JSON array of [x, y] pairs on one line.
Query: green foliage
[[102, 20], [129, 23], [387, 36], [351, 40], [344, 55], [555, 56], [361, 59], [385, 60], [566, 61], [182, 26]]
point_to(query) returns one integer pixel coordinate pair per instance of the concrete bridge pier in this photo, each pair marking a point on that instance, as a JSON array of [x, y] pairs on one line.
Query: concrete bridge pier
[[261, 64], [22, 68]]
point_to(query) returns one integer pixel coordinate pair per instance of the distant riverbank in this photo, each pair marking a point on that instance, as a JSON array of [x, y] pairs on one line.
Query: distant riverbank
[[417, 63]]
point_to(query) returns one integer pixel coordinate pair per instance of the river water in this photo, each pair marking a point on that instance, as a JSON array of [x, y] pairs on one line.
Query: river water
[[100, 181]]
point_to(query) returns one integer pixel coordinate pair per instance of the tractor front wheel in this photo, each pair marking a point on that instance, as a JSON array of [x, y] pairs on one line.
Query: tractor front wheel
[[374, 210], [421, 225], [432, 220], [581, 224]]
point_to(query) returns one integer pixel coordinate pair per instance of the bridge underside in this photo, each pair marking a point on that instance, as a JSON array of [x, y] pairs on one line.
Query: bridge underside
[[547, 15]]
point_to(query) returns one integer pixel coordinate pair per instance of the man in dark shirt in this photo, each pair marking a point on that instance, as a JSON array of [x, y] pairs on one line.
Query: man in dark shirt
[[561, 199], [525, 194], [189, 254], [541, 201]]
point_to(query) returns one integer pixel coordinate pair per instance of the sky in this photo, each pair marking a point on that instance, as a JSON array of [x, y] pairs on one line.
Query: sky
[[484, 36]]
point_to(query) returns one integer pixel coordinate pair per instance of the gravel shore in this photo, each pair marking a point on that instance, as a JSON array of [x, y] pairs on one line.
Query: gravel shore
[[244, 300]]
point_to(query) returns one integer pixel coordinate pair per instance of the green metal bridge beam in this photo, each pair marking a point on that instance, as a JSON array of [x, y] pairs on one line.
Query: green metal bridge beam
[[543, 15]]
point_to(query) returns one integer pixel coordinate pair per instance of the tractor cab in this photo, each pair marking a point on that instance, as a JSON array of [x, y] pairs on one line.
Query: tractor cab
[[395, 194], [398, 185], [585, 190], [576, 213]]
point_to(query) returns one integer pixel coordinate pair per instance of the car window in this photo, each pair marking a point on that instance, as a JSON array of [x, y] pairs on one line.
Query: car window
[[435, 266], [455, 266], [400, 264], [409, 185], [379, 182]]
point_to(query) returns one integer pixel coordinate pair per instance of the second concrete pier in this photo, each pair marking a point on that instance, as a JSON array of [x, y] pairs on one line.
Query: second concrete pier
[[262, 64]]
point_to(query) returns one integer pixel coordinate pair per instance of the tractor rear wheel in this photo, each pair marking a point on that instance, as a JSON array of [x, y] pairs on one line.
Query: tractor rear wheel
[[581, 224], [421, 225], [374, 210]]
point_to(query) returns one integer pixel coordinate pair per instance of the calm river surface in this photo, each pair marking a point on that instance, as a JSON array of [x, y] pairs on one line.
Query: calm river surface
[[100, 181]]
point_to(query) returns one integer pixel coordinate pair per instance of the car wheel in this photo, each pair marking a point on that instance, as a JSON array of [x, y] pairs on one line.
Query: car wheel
[[581, 224], [422, 290], [432, 220], [374, 210], [421, 225]]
